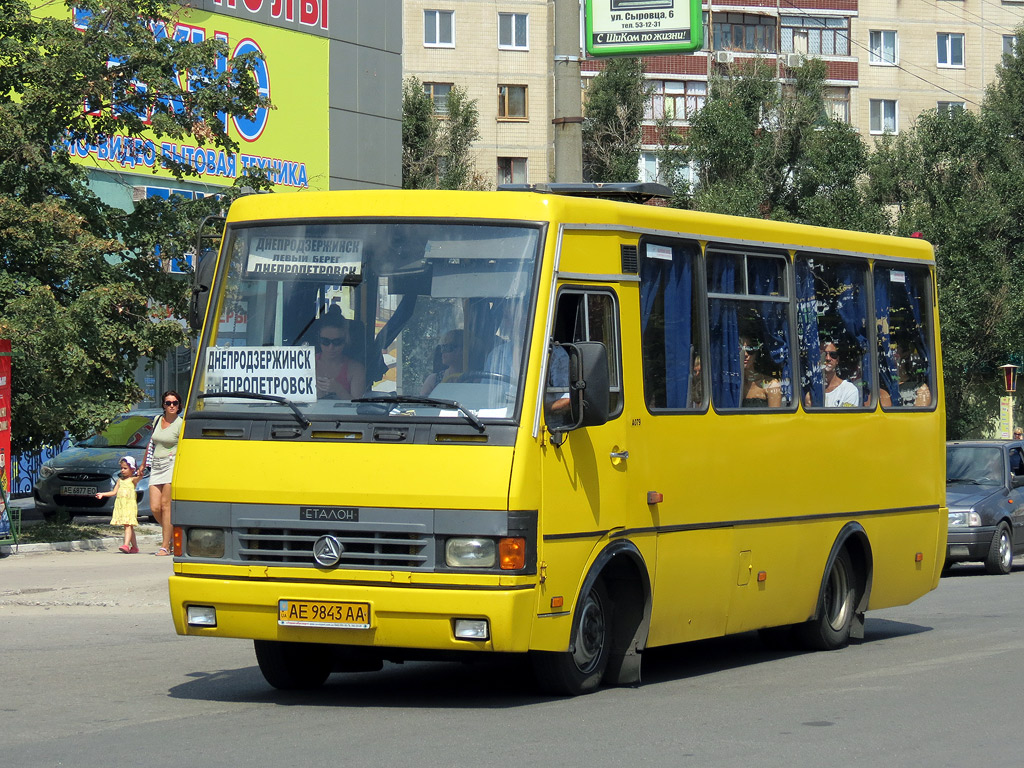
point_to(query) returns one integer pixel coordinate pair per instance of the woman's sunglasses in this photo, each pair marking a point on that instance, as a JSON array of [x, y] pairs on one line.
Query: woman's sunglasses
[[331, 341], [171, 402]]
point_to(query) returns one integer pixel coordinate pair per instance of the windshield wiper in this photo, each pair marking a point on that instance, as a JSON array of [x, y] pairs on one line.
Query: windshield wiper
[[303, 421], [964, 480], [422, 400]]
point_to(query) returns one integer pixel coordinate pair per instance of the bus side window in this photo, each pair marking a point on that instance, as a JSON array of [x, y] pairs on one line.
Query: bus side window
[[903, 320], [748, 321], [592, 316], [832, 329], [670, 324]]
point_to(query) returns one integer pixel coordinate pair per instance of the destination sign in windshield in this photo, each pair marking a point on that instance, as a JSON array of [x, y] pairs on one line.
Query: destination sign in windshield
[[321, 257]]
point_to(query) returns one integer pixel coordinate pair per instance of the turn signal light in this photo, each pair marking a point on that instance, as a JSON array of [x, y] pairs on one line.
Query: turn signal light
[[512, 554], [176, 544]]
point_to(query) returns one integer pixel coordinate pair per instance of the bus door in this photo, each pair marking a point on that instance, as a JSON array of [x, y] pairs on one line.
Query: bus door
[[585, 471]]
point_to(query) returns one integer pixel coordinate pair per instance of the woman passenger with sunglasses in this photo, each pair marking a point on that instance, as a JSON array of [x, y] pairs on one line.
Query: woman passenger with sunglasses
[[338, 375], [164, 444]]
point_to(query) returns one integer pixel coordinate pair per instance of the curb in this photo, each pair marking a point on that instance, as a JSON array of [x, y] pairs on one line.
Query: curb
[[107, 544]]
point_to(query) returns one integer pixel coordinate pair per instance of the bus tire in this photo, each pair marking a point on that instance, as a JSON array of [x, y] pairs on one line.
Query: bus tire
[[580, 670], [830, 629], [293, 666]]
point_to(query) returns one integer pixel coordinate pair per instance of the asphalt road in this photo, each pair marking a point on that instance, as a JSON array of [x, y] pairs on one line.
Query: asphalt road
[[92, 674]]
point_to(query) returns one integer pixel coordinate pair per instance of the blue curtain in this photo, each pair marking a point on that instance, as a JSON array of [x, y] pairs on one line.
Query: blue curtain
[[726, 366], [888, 375], [810, 343], [853, 312], [675, 280], [765, 279]]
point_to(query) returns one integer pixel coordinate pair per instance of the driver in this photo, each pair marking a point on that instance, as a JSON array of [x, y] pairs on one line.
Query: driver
[[451, 364]]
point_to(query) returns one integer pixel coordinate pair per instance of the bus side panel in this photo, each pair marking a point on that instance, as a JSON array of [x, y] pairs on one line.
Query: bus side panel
[[896, 541], [693, 585]]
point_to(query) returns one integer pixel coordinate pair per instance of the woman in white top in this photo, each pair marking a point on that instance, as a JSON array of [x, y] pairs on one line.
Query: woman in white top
[[163, 446]]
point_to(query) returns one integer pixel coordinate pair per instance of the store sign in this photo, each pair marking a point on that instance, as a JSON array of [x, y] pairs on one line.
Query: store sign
[[634, 27], [293, 74]]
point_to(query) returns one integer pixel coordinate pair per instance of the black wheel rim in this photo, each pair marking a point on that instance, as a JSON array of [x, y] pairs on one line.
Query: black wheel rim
[[591, 637]]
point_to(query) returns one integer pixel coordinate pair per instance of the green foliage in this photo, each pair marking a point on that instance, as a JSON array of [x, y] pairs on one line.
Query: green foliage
[[437, 153], [612, 124], [958, 178], [769, 150], [82, 292]]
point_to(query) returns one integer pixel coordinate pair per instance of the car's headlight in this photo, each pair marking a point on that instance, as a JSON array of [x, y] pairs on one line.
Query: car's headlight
[[46, 471], [964, 519], [470, 553]]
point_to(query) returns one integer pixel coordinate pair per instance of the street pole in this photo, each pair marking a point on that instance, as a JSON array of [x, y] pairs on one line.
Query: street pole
[[568, 105]]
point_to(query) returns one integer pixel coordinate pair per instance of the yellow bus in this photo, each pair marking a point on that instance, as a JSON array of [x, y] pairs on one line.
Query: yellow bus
[[433, 424]]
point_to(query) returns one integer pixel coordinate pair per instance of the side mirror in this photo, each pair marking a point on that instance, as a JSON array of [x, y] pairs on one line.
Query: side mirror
[[1016, 481], [577, 388]]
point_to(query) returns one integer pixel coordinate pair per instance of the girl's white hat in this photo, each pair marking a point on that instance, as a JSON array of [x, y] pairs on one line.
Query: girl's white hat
[[129, 460]]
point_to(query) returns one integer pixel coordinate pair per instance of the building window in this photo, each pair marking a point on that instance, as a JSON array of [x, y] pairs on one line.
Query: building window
[[837, 103], [816, 35], [439, 29], [438, 95], [883, 116], [677, 100], [1009, 44], [949, 107], [652, 170], [512, 102], [951, 49], [512, 31], [744, 32], [512, 170], [883, 46]]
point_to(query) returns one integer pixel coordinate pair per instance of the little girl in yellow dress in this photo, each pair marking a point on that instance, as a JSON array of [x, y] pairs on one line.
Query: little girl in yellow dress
[[126, 508]]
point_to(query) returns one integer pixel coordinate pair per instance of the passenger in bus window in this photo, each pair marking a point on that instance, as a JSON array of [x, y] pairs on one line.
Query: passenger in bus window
[[338, 375], [839, 392], [912, 387], [696, 384], [451, 363], [761, 386]]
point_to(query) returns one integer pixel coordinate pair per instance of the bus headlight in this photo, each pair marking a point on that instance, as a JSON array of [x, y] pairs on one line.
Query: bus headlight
[[964, 519], [470, 553], [205, 542]]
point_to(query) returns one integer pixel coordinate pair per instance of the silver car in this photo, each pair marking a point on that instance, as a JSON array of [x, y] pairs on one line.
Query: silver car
[[70, 481]]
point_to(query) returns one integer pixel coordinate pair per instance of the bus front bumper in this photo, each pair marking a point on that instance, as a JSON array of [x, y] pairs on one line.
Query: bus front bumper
[[399, 617]]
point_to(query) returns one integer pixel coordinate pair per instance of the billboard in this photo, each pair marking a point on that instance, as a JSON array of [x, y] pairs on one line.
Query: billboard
[[290, 141], [638, 27]]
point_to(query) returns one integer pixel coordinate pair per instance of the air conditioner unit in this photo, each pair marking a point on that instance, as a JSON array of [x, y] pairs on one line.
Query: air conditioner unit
[[792, 60], [138, 193], [722, 57]]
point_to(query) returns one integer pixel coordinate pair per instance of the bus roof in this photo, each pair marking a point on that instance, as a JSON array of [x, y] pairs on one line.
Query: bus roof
[[571, 211]]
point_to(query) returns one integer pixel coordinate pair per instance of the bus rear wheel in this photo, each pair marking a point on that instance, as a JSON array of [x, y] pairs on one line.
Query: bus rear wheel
[[580, 669], [830, 629], [293, 666]]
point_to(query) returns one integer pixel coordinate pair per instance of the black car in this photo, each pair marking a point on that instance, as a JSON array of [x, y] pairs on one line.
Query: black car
[[985, 496]]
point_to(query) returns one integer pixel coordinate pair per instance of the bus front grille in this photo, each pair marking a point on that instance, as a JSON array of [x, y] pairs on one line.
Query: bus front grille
[[360, 549]]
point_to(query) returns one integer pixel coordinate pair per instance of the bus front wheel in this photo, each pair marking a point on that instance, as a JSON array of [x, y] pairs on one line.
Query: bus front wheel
[[830, 629], [293, 666], [580, 669]]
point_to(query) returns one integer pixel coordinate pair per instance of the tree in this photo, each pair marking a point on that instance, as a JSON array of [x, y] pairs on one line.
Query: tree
[[436, 152], [613, 122], [958, 178], [82, 292], [769, 149]]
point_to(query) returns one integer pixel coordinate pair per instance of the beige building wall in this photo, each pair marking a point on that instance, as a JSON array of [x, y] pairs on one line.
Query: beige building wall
[[917, 81], [476, 63]]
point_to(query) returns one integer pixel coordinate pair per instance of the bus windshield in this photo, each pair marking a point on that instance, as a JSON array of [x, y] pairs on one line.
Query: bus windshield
[[370, 319]]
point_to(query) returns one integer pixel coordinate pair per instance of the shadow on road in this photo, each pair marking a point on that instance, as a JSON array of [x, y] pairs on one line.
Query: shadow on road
[[495, 682]]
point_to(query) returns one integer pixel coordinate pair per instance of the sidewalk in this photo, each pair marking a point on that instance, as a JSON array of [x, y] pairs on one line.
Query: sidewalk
[[148, 535]]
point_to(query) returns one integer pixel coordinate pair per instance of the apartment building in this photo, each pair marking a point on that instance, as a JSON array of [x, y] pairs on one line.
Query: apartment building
[[501, 54], [887, 62]]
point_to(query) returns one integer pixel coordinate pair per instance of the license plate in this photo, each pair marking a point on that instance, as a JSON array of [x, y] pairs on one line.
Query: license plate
[[318, 613], [77, 490]]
